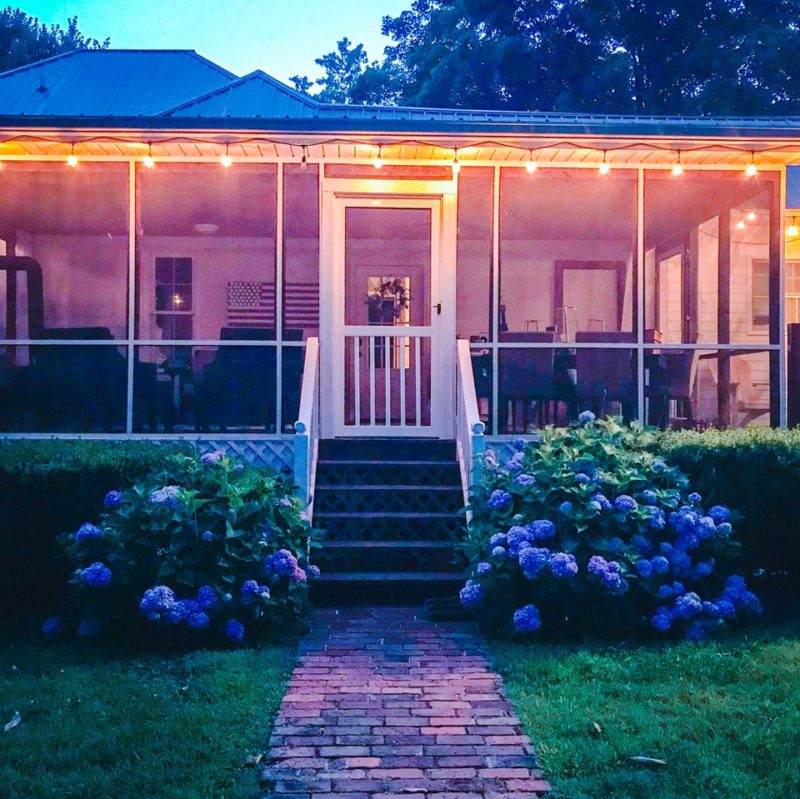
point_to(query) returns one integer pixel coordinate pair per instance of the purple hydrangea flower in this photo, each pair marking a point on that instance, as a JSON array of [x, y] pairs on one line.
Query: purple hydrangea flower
[[527, 619], [113, 499], [524, 480], [168, 495], [625, 503], [313, 572], [586, 418], [497, 540], [563, 564], [210, 458], [52, 628], [299, 575], [499, 499], [96, 574], [602, 501], [702, 569], [471, 595], [234, 630], [88, 532], [516, 537], [90, 628], [283, 563], [514, 464], [597, 565]]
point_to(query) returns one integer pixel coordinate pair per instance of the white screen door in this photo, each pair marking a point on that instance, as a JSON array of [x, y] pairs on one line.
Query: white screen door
[[388, 323]]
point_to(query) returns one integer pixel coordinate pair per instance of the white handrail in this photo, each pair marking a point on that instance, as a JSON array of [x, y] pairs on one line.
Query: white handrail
[[306, 428], [470, 440]]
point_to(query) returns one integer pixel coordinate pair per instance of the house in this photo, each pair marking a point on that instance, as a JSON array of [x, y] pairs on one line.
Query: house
[[185, 252]]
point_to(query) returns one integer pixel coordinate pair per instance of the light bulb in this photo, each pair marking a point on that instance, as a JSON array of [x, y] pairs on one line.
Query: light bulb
[[378, 162], [751, 217], [605, 168], [226, 159], [740, 225], [793, 230], [677, 170], [531, 167], [304, 159], [752, 169], [72, 160], [148, 161], [456, 165]]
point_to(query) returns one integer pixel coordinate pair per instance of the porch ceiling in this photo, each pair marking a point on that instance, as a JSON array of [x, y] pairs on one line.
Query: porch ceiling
[[257, 145]]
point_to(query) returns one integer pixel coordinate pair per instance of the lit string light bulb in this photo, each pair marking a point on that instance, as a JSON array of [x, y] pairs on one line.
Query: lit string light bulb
[[793, 231], [752, 169], [531, 166], [72, 159], [751, 216], [605, 167], [304, 159], [740, 225], [148, 159], [378, 162], [456, 164], [226, 159], [677, 169]]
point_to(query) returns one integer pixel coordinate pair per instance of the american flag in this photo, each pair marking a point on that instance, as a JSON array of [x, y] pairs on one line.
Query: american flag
[[251, 304]]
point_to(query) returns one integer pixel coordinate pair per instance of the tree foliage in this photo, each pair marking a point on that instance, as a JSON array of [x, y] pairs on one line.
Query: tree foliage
[[24, 39], [607, 56]]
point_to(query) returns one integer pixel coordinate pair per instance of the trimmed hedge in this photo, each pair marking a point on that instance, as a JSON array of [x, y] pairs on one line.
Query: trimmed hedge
[[757, 472], [48, 487]]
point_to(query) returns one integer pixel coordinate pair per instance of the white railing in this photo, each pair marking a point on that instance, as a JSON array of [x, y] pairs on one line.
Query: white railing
[[306, 428], [470, 440]]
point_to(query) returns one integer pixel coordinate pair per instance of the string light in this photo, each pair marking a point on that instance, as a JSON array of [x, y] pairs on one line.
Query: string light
[[226, 159], [677, 170], [752, 169], [793, 230], [740, 225], [378, 162], [304, 159], [72, 159], [605, 167], [531, 166], [751, 217], [148, 159], [456, 165]]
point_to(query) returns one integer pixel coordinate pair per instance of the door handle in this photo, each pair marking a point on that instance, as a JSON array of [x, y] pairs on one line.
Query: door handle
[[438, 308]]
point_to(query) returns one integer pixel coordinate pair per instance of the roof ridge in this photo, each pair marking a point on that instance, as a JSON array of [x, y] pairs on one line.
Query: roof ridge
[[256, 73]]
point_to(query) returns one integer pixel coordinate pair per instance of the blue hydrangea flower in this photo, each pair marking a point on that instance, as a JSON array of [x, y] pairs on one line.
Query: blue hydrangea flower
[[657, 521], [499, 499], [702, 569], [625, 503], [533, 560], [498, 552], [514, 464], [749, 601], [719, 513], [207, 597], [87, 532], [96, 574], [234, 630], [649, 497], [52, 628], [518, 444], [586, 418], [113, 499], [89, 628], [695, 498], [527, 619], [208, 536], [565, 507], [696, 631], [724, 529], [497, 540], [524, 480], [725, 609], [563, 564], [542, 529], [680, 563], [471, 595], [640, 544], [157, 599], [661, 621], [687, 606], [644, 568], [251, 589], [516, 537], [595, 506], [597, 565], [659, 466], [705, 527], [616, 546], [283, 563], [660, 564], [198, 621], [483, 568], [168, 495], [602, 501], [664, 592], [582, 479], [209, 458], [313, 572]]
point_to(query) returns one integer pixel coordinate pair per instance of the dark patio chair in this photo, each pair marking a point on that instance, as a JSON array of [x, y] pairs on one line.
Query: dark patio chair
[[606, 375], [525, 380], [672, 379]]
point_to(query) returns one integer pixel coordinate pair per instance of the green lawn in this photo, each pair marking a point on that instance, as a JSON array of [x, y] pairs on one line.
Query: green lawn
[[724, 716], [99, 724]]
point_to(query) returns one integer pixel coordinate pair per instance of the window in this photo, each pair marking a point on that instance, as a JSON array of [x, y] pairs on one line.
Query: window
[[760, 293], [173, 297]]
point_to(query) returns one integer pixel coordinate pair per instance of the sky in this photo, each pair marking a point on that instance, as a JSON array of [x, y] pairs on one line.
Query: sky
[[282, 37]]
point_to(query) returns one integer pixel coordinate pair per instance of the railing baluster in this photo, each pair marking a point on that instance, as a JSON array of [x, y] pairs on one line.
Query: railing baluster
[[418, 383], [387, 366], [372, 381], [357, 378], [402, 381]]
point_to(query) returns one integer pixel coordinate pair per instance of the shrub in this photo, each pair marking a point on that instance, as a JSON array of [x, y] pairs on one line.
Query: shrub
[[199, 547], [590, 531], [50, 486]]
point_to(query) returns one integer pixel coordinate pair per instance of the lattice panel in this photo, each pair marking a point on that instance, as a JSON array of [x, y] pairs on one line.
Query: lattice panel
[[275, 453]]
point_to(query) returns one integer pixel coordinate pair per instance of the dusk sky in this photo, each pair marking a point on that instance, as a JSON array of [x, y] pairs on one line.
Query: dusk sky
[[282, 37]]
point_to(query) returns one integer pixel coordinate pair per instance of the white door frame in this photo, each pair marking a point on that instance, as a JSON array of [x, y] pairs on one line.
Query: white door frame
[[440, 197]]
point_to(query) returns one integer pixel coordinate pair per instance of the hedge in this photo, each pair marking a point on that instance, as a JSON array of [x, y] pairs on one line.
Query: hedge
[[47, 487], [757, 472]]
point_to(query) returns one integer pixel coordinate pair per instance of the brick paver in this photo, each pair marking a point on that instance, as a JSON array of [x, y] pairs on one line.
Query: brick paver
[[383, 704]]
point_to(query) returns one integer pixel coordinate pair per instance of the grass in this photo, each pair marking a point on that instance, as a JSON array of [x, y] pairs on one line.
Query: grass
[[724, 716], [98, 723]]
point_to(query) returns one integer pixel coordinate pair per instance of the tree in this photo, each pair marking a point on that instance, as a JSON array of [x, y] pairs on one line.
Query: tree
[[606, 56], [23, 39], [342, 68]]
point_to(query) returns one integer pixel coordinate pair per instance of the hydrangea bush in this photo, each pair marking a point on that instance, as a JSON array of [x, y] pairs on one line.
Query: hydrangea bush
[[588, 531], [200, 548]]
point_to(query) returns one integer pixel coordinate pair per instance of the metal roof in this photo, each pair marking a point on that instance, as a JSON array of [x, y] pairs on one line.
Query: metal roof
[[256, 95], [108, 83]]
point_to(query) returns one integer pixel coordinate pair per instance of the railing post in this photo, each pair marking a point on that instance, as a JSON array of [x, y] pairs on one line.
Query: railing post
[[478, 451], [301, 459]]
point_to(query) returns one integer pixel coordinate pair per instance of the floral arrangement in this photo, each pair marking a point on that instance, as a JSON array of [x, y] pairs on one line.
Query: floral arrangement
[[590, 531], [200, 546]]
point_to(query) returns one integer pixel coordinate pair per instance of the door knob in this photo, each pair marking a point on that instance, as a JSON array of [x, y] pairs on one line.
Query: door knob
[[438, 308]]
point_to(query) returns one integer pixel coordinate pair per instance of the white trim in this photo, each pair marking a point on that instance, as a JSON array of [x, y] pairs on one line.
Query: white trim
[[132, 298], [279, 267], [783, 388], [640, 298]]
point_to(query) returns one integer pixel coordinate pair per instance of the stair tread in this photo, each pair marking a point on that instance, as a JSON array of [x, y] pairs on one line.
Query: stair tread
[[387, 487], [454, 515], [334, 544], [384, 462], [332, 577]]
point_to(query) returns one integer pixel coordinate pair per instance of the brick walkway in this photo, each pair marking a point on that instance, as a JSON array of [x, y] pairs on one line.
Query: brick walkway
[[383, 705]]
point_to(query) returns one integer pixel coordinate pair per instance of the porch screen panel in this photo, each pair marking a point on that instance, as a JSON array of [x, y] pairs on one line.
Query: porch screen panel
[[74, 224]]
